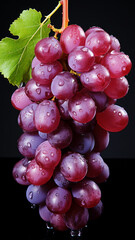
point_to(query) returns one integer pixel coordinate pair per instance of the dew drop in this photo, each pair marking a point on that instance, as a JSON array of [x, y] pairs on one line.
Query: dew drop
[[48, 114], [29, 144], [49, 68], [84, 49], [74, 113], [124, 69], [61, 83], [52, 154], [30, 195], [38, 90]]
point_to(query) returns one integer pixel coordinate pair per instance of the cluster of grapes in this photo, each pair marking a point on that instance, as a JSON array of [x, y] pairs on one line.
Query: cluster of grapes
[[67, 110]]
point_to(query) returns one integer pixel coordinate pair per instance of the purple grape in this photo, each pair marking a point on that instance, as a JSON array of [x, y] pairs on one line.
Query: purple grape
[[35, 62], [104, 175], [96, 211], [47, 116], [95, 164], [100, 100], [72, 37], [37, 194], [47, 156], [48, 50], [44, 212], [82, 107], [82, 143], [37, 92], [28, 143], [44, 73], [101, 138], [63, 109], [98, 42], [81, 59], [26, 118], [97, 79], [86, 193], [82, 128], [19, 99], [58, 200], [61, 137], [19, 171], [57, 222], [59, 179], [77, 217], [74, 167], [64, 86]]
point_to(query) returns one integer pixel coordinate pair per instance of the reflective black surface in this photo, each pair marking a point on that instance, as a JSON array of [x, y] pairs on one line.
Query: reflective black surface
[[20, 221]]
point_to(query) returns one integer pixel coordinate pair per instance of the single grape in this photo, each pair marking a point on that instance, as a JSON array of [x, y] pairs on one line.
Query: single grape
[[36, 175], [113, 119], [48, 50], [19, 171], [37, 92], [96, 211], [93, 29], [101, 138], [28, 143], [44, 212], [81, 59], [63, 109], [86, 193], [117, 63], [35, 62], [95, 164], [58, 200], [19, 99], [100, 100], [82, 128], [97, 79], [72, 37], [98, 42], [61, 137], [47, 116], [37, 194], [47, 156], [74, 167], [59, 179], [77, 217], [64, 86], [82, 107], [115, 44], [82, 143], [44, 73], [117, 88], [26, 118], [58, 222], [104, 175]]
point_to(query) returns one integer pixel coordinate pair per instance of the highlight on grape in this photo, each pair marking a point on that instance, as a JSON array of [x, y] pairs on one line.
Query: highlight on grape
[[67, 109]]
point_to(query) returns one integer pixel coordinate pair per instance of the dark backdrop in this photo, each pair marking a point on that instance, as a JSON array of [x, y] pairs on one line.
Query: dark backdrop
[[19, 221], [117, 18]]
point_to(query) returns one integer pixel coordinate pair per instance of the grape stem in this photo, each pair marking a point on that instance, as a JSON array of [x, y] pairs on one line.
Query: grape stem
[[65, 19]]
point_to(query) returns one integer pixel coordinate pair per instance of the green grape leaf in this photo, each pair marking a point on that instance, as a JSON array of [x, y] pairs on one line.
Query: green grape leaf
[[16, 54]]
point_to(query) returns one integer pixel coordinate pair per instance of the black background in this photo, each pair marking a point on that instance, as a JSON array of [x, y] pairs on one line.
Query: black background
[[19, 220]]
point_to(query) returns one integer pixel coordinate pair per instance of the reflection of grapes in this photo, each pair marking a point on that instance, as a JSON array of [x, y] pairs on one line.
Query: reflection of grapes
[[67, 110]]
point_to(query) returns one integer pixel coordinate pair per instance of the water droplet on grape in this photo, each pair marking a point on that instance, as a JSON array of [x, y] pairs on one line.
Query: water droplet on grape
[[30, 195], [48, 114], [38, 90], [124, 69], [84, 49], [49, 68], [74, 113], [52, 154], [29, 144], [61, 83]]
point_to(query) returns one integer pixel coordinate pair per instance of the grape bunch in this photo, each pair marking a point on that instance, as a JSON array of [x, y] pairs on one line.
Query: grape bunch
[[67, 110]]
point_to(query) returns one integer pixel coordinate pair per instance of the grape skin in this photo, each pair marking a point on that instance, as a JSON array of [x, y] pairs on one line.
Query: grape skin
[[72, 37], [74, 167], [47, 116], [113, 119], [19, 99]]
